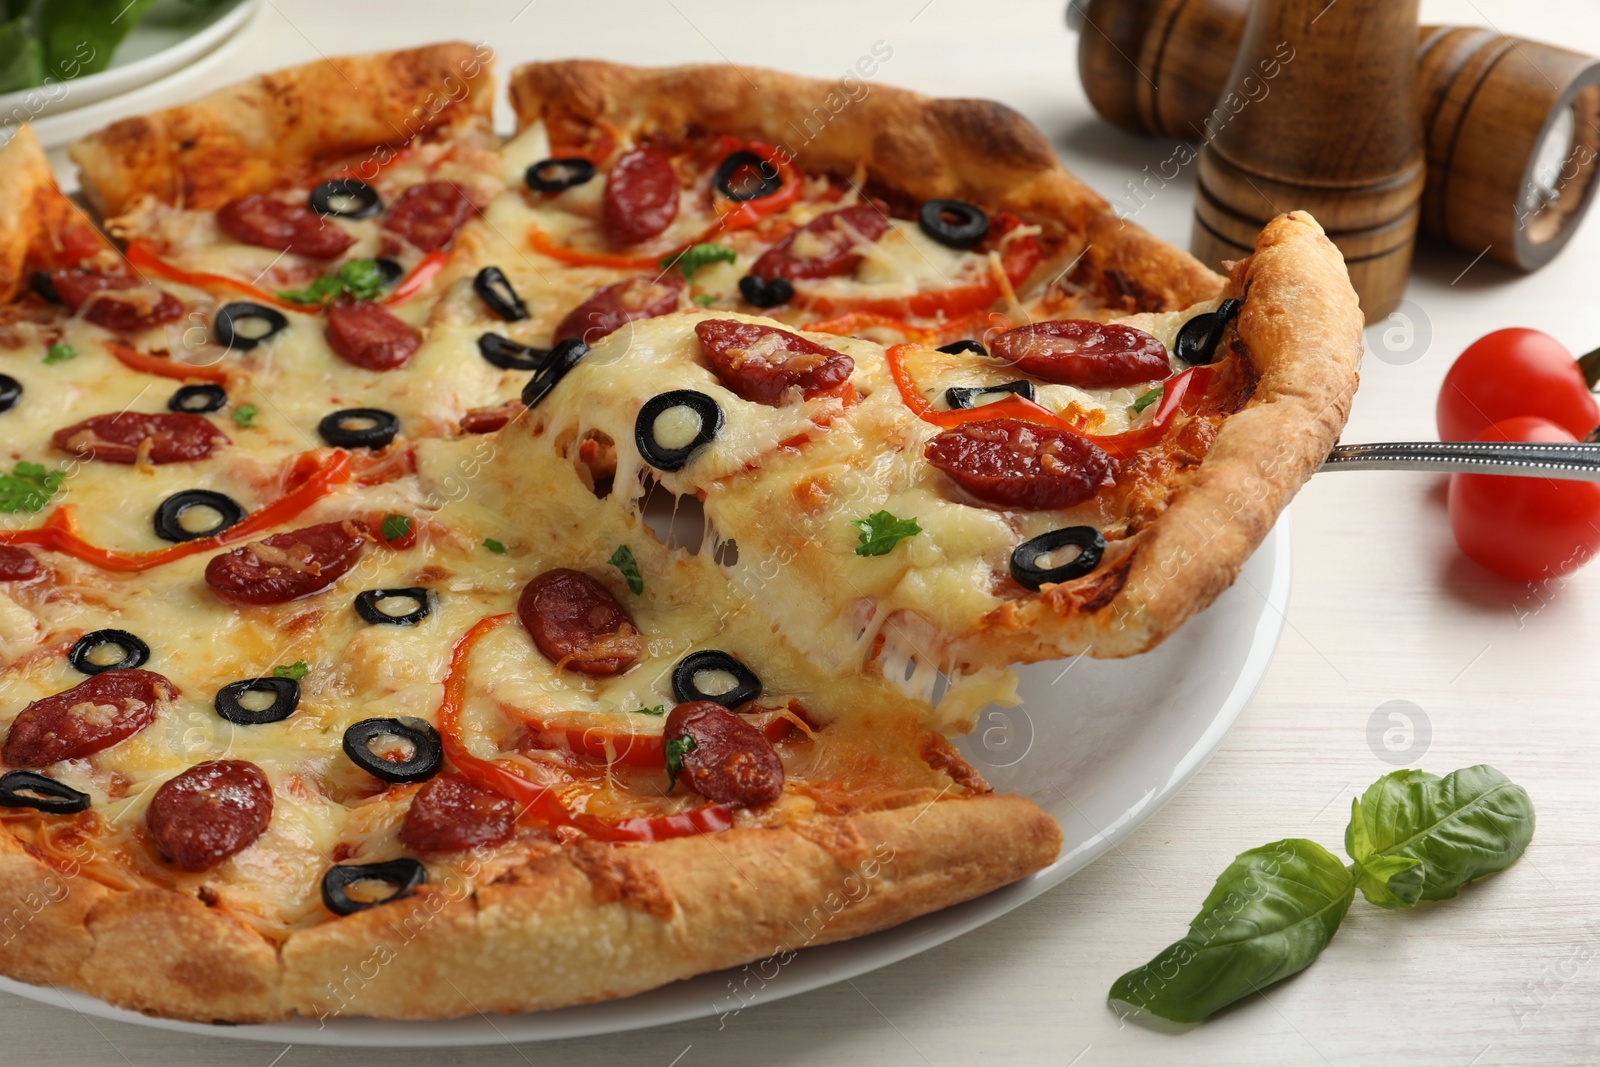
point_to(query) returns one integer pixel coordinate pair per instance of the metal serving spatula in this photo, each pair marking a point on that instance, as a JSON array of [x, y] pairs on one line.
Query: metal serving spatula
[[1576, 461]]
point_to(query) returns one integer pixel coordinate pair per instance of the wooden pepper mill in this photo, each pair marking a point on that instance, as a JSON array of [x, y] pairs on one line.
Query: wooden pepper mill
[[1511, 127], [1337, 135]]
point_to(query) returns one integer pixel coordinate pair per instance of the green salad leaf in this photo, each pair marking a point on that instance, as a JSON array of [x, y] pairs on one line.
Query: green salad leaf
[[21, 56], [1270, 915], [1415, 836], [80, 36]]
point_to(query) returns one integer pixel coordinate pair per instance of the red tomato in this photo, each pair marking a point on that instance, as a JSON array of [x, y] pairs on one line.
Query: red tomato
[[1514, 372], [1525, 528]]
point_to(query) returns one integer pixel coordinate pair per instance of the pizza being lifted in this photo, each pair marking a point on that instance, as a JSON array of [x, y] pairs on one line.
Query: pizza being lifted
[[354, 656]]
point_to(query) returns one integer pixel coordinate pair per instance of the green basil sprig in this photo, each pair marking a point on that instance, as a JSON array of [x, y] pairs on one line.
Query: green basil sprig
[[1413, 836]]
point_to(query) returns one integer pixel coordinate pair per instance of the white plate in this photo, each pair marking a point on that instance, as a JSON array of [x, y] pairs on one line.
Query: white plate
[[171, 35], [1100, 745]]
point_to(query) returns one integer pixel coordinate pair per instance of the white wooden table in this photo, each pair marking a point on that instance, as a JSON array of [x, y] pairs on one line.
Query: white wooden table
[[1383, 609]]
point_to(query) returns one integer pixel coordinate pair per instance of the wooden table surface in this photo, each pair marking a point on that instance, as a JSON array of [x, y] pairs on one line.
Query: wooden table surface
[[1383, 609]]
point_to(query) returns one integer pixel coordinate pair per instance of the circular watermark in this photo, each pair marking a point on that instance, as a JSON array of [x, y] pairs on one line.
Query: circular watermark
[[1399, 732], [1402, 338], [1002, 737]]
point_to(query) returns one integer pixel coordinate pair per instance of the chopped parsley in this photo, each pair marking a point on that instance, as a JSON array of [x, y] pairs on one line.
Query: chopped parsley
[[676, 749], [694, 257], [1147, 399], [623, 560], [659, 709], [244, 416], [59, 352], [494, 546], [395, 527], [881, 531], [360, 279], [28, 487], [705, 300], [296, 670]]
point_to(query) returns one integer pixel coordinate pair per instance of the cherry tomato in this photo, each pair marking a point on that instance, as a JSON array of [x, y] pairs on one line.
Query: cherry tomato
[[1525, 528], [1514, 372]]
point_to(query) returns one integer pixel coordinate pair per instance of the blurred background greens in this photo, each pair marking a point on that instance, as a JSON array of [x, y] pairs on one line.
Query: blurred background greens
[[58, 40]]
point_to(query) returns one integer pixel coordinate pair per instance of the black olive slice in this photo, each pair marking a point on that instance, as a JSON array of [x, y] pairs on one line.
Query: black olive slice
[[507, 354], [198, 399], [956, 348], [427, 751], [244, 325], [285, 693], [359, 428], [765, 292], [953, 223], [346, 198], [405, 874], [767, 179], [746, 686], [962, 396], [169, 516], [561, 359], [494, 287], [368, 606], [26, 789], [1025, 558], [554, 175], [1198, 338], [391, 270], [10, 392], [84, 656], [41, 282], [663, 457]]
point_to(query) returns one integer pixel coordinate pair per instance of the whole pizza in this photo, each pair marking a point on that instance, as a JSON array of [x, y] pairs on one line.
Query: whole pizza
[[443, 572]]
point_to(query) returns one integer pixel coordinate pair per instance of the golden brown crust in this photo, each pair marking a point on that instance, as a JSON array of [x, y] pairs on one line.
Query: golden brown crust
[[586, 924], [1301, 327], [255, 135], [924, 147], [548, 939], [34, 214]]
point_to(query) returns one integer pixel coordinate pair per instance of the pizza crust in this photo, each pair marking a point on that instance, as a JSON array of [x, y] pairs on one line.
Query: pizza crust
[[33, 210], [256, 135], [591, 923], [925, 147]]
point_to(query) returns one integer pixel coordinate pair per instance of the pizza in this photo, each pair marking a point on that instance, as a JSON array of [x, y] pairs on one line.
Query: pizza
[[444, 572]]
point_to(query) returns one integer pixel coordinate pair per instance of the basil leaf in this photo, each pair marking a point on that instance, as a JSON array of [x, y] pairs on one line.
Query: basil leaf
[[244, 416], [80, 35], [1271, 913], [296, 670], [623, 560], [494, 546], [694, 257], [59, 352], [675, 751], [881, 531], [659, 709], [1146, 399], [21, 58], [1453, 830]]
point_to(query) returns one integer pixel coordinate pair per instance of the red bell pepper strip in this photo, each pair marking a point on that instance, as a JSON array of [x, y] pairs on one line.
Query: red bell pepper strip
[[540, 802], [59, 533], [420, 276], [144, 257], [163, 366], [1175, 397]]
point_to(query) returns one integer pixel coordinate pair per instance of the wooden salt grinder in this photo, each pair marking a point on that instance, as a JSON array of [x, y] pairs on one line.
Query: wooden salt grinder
[[1337, 135], [1511, 126]]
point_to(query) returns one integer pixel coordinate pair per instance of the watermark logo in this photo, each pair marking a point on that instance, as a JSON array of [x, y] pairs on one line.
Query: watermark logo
[[1399, 732], [1402, 338]]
